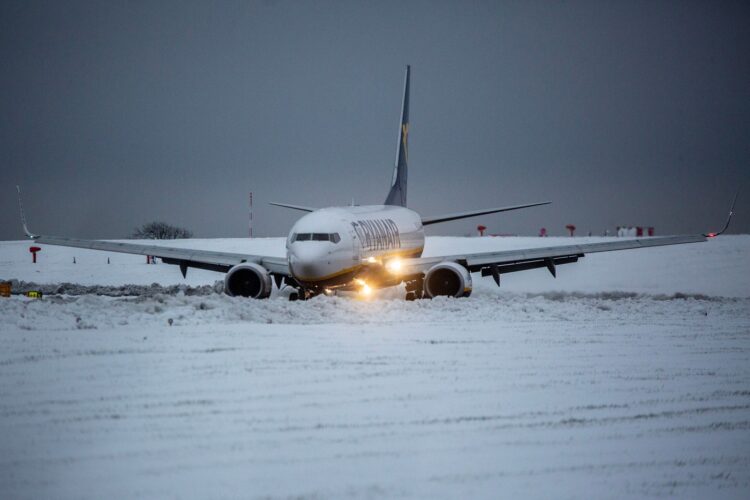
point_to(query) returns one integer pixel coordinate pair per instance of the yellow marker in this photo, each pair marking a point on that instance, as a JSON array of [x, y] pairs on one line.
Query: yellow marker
[[33, 294]]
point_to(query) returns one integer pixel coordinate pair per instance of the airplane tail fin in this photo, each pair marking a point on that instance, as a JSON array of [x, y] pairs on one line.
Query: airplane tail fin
[[397, 194]]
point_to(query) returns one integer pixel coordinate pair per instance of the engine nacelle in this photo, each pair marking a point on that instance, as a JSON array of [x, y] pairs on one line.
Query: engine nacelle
[[248, 280], [449, 279]]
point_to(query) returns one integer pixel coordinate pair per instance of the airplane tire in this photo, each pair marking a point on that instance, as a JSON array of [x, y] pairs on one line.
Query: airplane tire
[[294, 296], [414, 289]]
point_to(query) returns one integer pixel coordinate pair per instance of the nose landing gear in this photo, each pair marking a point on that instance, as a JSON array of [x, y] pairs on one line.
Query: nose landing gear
[[299, 293], [302, 294], [415, 289]]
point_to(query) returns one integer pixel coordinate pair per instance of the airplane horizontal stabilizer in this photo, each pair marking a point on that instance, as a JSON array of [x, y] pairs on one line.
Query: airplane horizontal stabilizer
[[293, 207], [473, 213]]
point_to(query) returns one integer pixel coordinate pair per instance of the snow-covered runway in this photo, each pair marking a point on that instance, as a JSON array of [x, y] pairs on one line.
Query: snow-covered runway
[[617, 392]]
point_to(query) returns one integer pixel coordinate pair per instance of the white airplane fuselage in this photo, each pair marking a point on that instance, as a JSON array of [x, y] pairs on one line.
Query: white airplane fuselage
[[331, 247]]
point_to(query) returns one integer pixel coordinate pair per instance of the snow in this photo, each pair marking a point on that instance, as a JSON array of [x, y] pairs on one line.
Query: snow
[[626, 377]]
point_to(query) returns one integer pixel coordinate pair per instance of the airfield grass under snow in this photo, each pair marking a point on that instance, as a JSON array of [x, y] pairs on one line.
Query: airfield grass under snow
[[627, 377]]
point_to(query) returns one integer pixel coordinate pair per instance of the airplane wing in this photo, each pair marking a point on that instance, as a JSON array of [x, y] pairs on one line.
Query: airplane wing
[[507, 261], [183, 257]]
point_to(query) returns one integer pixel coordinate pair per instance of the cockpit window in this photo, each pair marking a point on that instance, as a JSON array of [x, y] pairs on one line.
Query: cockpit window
[[332, 237]]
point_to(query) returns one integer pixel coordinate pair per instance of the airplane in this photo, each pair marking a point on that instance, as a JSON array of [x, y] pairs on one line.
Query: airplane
[[361, 248]]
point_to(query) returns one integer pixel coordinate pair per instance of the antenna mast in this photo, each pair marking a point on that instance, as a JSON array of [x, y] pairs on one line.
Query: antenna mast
[[250, 214]]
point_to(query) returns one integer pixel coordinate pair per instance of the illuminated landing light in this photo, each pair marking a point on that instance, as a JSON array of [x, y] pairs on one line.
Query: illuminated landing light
[[371, 260], [711, 235], [365, 289], [394, 266]]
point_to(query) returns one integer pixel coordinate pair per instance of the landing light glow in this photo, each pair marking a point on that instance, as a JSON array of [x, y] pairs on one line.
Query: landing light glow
[[394, 265], [365, 289]]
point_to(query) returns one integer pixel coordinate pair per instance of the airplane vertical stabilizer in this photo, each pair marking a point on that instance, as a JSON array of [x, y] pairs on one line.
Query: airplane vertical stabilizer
[[397, 194]]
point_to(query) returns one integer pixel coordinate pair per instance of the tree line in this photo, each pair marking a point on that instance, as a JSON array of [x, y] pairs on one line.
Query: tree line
[[158, 230]]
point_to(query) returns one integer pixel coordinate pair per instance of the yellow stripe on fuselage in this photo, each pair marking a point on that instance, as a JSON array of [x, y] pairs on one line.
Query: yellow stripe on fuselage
[[414, 252]]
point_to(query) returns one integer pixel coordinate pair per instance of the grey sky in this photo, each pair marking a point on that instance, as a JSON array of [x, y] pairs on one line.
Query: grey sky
[[116, 113]]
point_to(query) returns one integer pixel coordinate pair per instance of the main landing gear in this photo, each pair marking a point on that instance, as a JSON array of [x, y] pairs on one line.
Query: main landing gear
[[414, 291]]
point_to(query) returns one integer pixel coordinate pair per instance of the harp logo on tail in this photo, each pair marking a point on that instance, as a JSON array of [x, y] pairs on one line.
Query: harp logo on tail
[[405, 139]]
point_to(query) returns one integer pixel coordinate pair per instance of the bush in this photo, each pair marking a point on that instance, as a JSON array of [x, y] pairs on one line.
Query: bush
[[161, 231]]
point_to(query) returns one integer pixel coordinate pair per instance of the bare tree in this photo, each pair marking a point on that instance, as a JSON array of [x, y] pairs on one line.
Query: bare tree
[[160, 231]]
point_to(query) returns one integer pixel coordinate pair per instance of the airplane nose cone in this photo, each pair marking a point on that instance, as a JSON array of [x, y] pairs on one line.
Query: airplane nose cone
[[308, 262]]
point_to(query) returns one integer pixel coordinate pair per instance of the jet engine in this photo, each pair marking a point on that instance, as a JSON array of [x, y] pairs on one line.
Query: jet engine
[[447, 278], [248, 280]]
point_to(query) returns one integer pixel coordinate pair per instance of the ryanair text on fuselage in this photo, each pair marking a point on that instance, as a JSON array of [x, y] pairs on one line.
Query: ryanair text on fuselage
[[377, 234]]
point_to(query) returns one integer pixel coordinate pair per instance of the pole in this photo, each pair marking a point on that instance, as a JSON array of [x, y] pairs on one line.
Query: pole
[[250, 221]]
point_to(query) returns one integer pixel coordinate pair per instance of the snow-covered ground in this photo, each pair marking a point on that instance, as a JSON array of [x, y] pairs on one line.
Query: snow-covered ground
[[626, 377]]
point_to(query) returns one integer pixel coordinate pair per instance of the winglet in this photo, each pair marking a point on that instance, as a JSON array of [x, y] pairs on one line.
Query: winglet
[[729, 219], [473, 213], [23, 216]]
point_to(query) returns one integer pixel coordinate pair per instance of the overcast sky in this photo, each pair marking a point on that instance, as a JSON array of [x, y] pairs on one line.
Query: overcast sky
[[116, 113]]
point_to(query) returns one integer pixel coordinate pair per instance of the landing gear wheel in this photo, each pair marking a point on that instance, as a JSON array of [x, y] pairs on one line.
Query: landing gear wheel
[[414, 289], [293, 297]]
